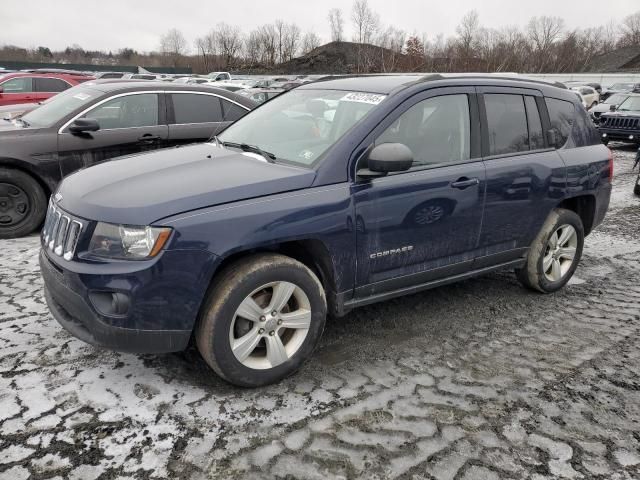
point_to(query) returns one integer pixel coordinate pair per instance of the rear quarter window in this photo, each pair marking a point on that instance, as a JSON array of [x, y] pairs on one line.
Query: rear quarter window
[[561, 116]]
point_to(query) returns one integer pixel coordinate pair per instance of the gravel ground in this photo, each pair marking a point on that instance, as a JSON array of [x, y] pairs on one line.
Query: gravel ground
[[480, 380]]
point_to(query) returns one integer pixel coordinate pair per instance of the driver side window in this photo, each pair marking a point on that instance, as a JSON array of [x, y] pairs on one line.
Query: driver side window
[[127, 112], [436, 130]]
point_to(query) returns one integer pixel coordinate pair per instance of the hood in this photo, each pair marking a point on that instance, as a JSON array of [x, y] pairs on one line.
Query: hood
[[619, 114], [141, 189], [601, 107]]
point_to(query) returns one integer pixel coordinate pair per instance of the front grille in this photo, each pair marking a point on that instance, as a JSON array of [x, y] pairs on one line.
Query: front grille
[[622, 123], [61, 232]]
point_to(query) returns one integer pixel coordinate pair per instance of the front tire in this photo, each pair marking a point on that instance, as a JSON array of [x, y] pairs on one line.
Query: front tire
[[555, 253], [23, 203], [261, 320]]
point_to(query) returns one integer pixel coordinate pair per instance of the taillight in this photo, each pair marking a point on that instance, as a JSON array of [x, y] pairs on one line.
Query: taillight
[[610, 165]]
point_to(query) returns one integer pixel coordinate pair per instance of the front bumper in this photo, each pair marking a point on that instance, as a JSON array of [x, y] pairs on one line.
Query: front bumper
[[161, 316], [619, 135]]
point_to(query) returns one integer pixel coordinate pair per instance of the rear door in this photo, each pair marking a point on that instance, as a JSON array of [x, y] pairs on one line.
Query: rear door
[[17, 90], [525, 176], [129, 123], [197, 116], [423, 224], [48, 87], [194, 117]]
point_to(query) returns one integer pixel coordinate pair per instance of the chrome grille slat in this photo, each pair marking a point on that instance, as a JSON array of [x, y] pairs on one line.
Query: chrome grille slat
[[61, 232]]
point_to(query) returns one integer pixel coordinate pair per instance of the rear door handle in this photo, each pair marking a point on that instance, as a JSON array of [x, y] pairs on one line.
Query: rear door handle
[[148, 138], [465, 182]]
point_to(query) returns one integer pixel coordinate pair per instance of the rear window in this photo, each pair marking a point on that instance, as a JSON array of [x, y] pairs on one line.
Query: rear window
[[561, 115], [507, 123], [192, 108], [51, 85]]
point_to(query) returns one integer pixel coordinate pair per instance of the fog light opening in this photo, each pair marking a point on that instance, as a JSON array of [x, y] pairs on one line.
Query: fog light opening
[[110, 303]]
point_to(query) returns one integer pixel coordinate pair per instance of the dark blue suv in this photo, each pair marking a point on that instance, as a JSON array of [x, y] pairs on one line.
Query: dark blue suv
[[337, 194]]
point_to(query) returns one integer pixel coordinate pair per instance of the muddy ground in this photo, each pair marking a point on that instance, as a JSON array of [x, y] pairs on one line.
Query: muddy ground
[[478, 380]]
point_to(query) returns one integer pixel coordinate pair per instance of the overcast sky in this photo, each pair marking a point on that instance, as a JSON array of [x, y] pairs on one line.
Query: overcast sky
[[114, 24]]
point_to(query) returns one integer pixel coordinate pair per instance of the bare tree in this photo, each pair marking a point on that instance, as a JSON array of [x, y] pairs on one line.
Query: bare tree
[[366, 23], [173, 45], [253, 47], [365, 20], [310, 41], [543, 32], [336, 23], [291, 42], [228, 42], [631, 30], [206, 48], [268, 38], [469, 32]]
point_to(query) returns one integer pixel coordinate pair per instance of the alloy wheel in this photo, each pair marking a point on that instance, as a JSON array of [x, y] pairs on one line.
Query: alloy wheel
[[560, 253], [270, 325]]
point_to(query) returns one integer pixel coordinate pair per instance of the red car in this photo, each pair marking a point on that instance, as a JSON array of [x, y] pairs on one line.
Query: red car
[[22, 87]]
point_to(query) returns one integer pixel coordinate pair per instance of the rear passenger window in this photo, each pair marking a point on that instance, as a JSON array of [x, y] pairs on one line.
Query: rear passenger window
[[50, 85], [192, 108], [536, 139], [436, 130], [232, 112], [507, 123], [561, 116]]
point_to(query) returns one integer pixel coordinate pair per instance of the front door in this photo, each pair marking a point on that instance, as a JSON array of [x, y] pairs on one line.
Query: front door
[[129, 124], [423, 224]]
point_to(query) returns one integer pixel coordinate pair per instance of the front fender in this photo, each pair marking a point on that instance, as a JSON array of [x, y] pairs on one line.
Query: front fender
[[322, 213]]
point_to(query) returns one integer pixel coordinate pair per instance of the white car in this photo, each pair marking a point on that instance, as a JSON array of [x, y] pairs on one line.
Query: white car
[[589, 96], [219, 76]]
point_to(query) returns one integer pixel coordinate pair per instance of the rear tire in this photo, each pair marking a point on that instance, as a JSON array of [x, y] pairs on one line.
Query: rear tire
[[261, 320], [554, 254], [23, 203]]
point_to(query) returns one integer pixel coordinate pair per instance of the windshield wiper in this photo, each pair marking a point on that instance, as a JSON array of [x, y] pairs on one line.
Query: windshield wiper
[[23, 122], [245, 147]]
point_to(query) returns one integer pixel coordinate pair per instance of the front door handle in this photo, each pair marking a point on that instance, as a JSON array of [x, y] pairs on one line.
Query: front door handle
[[464, 182], [148, 138]]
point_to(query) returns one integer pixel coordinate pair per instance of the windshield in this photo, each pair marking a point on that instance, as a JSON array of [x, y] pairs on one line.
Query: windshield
[[301, 125], [631, 104], [615, 99], [621, 86], [59, 106]]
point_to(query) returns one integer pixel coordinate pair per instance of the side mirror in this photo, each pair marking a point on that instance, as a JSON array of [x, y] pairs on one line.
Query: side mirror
[[81, 125], [613, 108], [1, 90], [386, 158]]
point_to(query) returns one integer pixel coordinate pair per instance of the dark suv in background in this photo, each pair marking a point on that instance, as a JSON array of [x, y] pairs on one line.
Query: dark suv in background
[[337, 194], [94, 122]]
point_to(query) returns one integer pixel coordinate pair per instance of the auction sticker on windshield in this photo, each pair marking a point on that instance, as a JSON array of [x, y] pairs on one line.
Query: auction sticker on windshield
[[372, 98]]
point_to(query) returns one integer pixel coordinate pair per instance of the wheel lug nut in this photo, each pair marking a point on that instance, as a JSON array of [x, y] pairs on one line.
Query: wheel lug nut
[[263, 318], [261, 331], [274, 313], [272, 333], [280, 322]]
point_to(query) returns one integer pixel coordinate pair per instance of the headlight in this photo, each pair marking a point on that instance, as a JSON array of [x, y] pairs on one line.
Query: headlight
[[127, 242]]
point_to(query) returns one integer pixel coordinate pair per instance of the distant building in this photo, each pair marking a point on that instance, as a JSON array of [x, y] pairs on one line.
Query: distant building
[[622, 60]]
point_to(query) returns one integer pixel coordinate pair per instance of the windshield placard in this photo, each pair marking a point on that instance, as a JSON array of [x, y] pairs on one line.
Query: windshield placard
[[371, 98]]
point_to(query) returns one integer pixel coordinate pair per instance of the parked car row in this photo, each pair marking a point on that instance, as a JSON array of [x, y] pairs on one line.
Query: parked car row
[[93, 122]]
